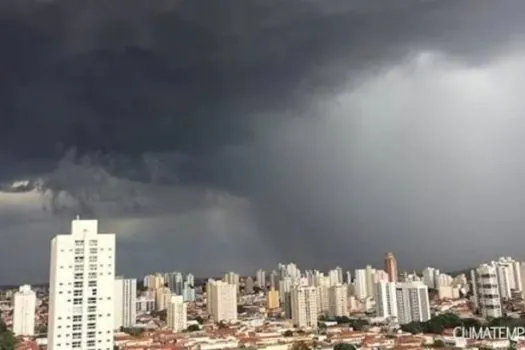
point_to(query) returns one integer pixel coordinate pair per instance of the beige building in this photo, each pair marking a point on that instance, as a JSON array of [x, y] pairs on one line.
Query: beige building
[[222, 301], [338, 300], [304, 302], [272, 299]]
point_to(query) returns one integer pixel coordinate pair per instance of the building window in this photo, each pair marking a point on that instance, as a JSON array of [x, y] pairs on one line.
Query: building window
[[92, 283]]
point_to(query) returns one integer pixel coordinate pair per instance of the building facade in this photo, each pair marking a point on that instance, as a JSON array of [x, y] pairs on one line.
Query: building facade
[[24, 311], [82, 275]]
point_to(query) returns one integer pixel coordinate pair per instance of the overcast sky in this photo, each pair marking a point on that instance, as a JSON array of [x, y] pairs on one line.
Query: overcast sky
[[230, 135]]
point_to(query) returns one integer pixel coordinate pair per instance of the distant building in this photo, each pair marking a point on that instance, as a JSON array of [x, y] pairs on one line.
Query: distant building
[[24, 311], [222, 301], [125, 302], [360, 288], [486, 291], [162, 298], [412, 302], [338, 300], [304, 306], [177, 314], [272, 299], [386, 299], [391, 267], [261, 278], [248, 285]]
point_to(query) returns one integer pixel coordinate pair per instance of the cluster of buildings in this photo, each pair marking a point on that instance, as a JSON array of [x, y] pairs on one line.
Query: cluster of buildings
[[495, 283], [88, 306]]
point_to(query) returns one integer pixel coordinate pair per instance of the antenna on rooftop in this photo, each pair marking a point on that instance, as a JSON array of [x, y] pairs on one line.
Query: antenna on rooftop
[[78, 217]]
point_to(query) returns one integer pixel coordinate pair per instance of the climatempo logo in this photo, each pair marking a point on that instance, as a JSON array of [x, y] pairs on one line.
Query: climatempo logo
[[484, 333]]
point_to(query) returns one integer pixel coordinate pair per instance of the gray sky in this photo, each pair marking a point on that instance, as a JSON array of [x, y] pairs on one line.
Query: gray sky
[[235, 136]]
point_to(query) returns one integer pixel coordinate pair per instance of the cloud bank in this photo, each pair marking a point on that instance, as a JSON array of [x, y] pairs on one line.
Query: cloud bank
[[320, 132]]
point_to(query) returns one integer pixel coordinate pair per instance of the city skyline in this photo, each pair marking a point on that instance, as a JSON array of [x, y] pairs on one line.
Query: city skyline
[[321, 132]]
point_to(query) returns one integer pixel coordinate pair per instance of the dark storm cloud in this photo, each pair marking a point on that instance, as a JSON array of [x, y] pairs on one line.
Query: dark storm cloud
[[221, 115]]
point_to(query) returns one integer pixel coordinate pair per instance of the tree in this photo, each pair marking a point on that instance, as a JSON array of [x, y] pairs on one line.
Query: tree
[[133, 331], [288, 333], [300, 345], [193, 328], [439, 343], [344, 346], [199, 319]]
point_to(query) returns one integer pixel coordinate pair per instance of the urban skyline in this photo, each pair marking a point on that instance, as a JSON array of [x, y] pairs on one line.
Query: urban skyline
[[88, 306]]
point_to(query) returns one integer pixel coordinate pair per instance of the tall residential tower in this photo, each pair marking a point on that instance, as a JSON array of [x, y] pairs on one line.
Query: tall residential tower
[[81, 289]]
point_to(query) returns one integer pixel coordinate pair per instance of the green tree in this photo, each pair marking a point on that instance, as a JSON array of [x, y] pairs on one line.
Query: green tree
[[344, 346], [300, 345], [193, 328], [288, 333], [7, 338], [439, 343]]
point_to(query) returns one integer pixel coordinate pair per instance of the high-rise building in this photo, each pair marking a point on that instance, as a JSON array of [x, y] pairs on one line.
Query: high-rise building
[[188, 292], [486, 291], [391, 267], [248, 285], [322, 283], [431, 277], [162, 298], [348, 277], [261, 278], [154, 282], [81, 288], [274, 279], [232, 278], [222, 301], [338, 300], [360, 288], [125, 302], [177, 314], [190, 279], [272, 299], [386, 300], [24, 311], [370, 280], [304, 306], [175, 282], [412, 302]]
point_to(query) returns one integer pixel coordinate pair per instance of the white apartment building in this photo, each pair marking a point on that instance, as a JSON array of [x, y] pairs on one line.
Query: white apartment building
[[360, 289], [24, 311], [261, 278], [338, 301], [125, 302], [304, 301], [232, 278], [81, 289], [412, 302], [177, 314], [222, 301], [386, 299], [486, 291], [430, 275]]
